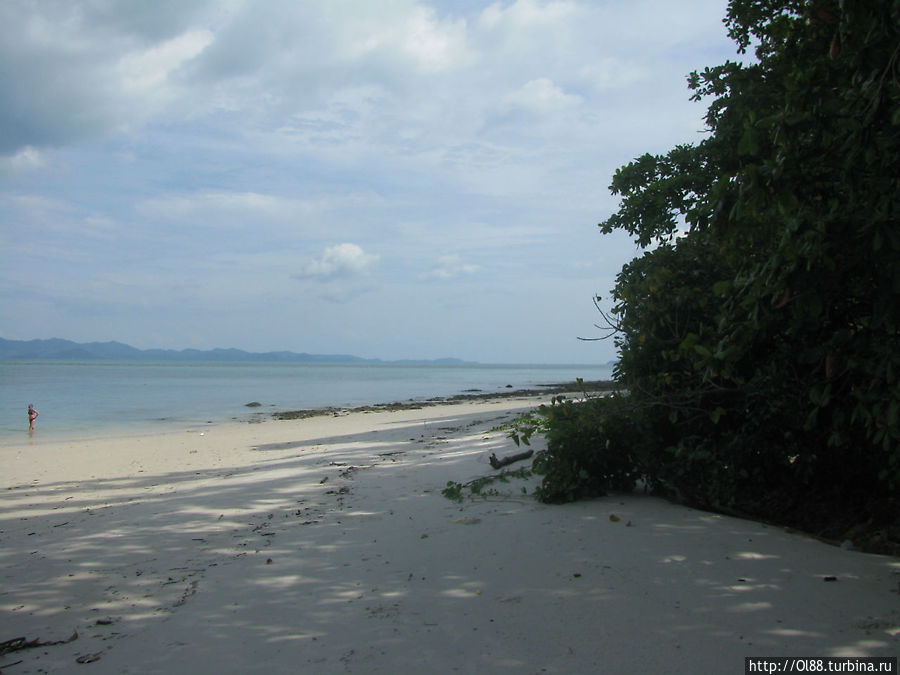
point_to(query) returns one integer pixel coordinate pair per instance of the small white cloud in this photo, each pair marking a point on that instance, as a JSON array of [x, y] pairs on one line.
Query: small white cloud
[[149, 68], [523, 14], [450, 267], [418, 37], [435, 46], [339, 261], [543, 95], [213, 208], [612, 73]]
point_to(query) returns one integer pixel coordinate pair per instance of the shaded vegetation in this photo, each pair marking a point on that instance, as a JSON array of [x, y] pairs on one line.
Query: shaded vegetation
[[758, 334]]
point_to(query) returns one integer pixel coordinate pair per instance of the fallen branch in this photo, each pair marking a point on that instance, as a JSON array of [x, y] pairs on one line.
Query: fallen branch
[[454, 491], [17, 644], [499, 463]]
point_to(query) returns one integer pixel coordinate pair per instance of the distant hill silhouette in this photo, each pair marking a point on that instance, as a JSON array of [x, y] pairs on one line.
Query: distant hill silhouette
[[66, 350]]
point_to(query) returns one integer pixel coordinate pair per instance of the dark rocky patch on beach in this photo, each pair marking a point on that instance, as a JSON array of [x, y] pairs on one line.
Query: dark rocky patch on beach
[[593, 387]]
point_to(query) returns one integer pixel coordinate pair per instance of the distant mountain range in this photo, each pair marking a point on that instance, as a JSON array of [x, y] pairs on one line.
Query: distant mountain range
[[66, 350]]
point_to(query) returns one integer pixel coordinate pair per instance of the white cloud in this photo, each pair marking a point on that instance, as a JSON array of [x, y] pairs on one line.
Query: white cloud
[[206, 204], [450, 267], [73, 71], [146, 69], [416, 36], [214, 208], [341, 260], [543, 95], [228, 145], [435, 46], [524, 14], [610, 73], [26, 159]]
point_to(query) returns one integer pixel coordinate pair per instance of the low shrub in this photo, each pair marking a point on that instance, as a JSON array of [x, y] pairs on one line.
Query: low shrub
[[593, 446]]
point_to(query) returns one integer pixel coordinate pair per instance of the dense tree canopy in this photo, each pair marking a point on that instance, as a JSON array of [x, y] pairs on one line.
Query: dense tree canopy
[[758, 337]]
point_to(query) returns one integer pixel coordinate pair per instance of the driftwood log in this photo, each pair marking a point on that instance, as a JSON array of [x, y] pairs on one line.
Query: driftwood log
[[499, 463]]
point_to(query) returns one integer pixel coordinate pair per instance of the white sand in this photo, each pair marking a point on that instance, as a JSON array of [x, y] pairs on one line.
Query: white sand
[[231, 552]]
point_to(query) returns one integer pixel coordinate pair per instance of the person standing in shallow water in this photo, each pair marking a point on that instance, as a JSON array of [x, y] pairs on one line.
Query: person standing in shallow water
[[32, 416]]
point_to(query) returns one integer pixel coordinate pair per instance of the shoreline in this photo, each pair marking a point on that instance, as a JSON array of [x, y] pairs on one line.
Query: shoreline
[[596, 387], [133, 429], [324, 545]]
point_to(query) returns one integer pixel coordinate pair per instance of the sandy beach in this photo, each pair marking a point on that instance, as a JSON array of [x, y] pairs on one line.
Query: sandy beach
[[324, 545]]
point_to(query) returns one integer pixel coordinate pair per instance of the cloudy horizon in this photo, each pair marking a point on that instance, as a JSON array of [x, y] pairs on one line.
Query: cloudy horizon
[[392, 179]]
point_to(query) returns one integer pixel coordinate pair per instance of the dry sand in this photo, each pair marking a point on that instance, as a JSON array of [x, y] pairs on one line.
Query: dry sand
[[325, 545]]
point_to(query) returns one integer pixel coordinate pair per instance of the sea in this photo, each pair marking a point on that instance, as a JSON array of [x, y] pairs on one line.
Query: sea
[[77, 399]]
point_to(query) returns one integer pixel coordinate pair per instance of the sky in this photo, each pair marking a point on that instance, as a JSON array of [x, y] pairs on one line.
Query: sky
[[384, 178]]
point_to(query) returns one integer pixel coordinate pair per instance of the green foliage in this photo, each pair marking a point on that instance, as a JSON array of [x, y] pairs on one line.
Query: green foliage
[[521, 429], [483, 486], [453, 491], [759, 340], [593, 446]]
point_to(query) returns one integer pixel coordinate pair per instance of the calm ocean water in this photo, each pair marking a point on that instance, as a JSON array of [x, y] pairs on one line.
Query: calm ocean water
[[80, 398]]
